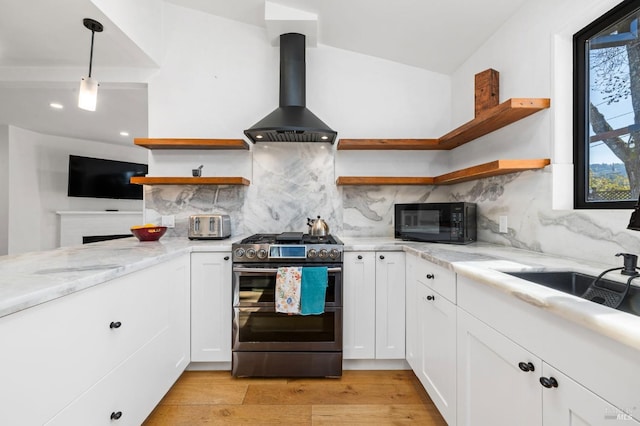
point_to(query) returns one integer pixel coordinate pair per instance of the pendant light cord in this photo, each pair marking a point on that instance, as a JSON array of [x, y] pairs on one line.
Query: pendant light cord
[[91, 53]]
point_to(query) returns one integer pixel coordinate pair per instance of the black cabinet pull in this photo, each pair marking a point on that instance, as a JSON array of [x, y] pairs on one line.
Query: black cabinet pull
[[115, 324], [381, 257], [549, 382], [226, 258], [526, 366], [116, 415], [430, 276], [359, 257], [431, 298]]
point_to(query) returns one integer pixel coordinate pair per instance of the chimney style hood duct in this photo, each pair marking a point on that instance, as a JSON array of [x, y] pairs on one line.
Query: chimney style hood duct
[[292, 121]]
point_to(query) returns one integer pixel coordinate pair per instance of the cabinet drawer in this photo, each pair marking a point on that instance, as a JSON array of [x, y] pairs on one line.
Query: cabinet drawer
[[57, 350], [438, 278], [129, 393]]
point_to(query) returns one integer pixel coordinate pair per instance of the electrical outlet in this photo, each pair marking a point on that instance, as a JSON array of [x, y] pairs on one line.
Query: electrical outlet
[[168, 221], [503, 229]]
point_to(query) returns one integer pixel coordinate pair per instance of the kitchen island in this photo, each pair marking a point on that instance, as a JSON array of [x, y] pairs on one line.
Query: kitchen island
[[55, 284]]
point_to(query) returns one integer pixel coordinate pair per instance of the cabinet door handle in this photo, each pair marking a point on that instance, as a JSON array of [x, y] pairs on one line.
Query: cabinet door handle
[[359, 257], [549, 382], [116, 415], [526, 367], [430, 276], [431, 297], [115, 324], [381, 257], [226, 258]]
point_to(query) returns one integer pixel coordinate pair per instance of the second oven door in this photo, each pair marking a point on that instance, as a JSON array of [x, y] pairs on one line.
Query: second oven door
[[263, 329], [254, 285]]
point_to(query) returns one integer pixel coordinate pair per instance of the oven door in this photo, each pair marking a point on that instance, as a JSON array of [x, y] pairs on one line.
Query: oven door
[[254, 285], [263, 329]]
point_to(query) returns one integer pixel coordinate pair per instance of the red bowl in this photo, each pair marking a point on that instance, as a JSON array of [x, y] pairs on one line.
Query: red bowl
[[150, 233]]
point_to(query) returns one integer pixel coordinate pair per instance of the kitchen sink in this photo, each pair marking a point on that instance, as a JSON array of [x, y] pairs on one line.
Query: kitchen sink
[[576, 283]]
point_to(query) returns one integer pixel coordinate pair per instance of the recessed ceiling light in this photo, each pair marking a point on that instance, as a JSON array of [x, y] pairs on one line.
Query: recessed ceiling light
[[56, 105], [123, 133]]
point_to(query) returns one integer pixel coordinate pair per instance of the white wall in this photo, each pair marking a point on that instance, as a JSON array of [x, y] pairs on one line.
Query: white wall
[[37, 181], [4, 189], [533, 53]]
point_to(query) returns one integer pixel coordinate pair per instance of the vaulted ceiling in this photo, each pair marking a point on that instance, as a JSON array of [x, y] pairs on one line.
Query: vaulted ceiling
[[48, 35]]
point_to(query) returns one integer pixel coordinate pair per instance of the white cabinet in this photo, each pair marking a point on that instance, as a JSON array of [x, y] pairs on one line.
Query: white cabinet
[[55, 354], [572, 404], [437, 351], [431, 332], [374, 305], [211, 314], [359, 305], [507, 348], [492, 389], [390, 305]]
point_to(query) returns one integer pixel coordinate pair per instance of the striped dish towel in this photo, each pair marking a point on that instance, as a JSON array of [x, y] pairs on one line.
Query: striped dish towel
[[288, 280]]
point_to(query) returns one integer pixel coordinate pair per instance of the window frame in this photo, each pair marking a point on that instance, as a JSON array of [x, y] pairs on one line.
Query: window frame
[[580, 110]]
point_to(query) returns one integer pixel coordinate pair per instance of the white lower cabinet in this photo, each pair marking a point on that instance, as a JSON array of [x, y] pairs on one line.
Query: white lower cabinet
[[431, 332], [374, 305], [572, 404], [437, 351], [211, 314], [126, 340], [492, 388], [508, 371]]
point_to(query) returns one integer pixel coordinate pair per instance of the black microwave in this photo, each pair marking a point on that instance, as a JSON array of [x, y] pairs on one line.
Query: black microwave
[[453, 223]]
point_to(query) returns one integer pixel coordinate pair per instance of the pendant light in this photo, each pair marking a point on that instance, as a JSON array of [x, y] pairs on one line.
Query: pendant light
[[88, 86]]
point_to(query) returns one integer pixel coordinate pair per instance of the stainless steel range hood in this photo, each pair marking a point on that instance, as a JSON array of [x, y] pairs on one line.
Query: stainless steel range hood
[[291, 121]]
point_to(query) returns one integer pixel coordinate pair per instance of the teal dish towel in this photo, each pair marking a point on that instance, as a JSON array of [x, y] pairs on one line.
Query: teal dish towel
[[313, 290]]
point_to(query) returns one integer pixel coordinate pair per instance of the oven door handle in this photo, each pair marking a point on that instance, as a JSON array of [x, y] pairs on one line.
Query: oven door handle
[[273, 270]]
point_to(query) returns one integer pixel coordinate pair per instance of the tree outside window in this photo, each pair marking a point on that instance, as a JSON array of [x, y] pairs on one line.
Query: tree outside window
[[607, 110]]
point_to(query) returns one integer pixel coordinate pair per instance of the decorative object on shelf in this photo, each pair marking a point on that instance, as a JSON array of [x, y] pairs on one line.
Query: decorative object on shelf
[[197, 172], [148, 232], [88, 95]]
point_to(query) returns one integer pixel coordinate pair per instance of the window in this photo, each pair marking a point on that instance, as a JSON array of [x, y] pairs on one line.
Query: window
[[607, 110]]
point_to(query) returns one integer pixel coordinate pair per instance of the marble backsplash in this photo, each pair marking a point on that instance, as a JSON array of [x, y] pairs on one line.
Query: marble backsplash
[[294, 181]]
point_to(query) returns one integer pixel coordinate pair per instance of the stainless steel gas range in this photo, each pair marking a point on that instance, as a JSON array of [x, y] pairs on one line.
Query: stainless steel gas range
[[267, 343]]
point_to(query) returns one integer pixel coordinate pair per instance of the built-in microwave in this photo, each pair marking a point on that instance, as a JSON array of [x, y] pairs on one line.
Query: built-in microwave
[[453, 223]]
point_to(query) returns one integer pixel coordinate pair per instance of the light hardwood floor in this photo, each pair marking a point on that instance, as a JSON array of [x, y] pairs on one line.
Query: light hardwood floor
[[358, 397]]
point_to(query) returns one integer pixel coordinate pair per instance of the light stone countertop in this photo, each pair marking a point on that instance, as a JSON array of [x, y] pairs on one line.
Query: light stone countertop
[[32, 278]]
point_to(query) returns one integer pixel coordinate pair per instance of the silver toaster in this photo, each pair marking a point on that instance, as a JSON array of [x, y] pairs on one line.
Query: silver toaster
[[209, 226]]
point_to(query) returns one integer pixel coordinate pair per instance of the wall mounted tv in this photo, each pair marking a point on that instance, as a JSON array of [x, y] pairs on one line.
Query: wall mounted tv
[[99, 178]]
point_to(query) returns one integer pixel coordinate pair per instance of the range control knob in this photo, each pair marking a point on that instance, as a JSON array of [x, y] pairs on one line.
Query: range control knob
[[262, 254], [312, 253], [323, 254], [239, 252], [334, 254], [251, 253]]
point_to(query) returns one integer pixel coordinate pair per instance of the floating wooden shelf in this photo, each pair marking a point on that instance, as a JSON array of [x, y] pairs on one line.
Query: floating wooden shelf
[[191, 143], [493, 168], [485, 122], [190, 181], [383, 180]]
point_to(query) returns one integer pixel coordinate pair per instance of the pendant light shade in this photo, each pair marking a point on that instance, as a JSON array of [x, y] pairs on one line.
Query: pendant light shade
[[88, 95]]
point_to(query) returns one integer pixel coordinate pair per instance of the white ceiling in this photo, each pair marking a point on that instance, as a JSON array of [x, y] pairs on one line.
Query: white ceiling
[[49, 36]]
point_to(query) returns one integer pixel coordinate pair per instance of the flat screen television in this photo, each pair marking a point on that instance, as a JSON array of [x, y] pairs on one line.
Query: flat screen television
[[100, 178]]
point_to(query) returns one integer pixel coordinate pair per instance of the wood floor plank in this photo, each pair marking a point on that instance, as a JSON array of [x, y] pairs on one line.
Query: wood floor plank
[[358, 397], [331, 393], [191, 415], [376, 415], [190, 393]]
